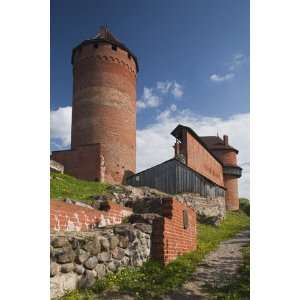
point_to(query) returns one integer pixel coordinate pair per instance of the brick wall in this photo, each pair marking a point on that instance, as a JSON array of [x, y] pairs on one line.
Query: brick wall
[[104, 106], [199, 159], [82, 162], [170, 238], [228, 157], [231, 195], [71, 217]]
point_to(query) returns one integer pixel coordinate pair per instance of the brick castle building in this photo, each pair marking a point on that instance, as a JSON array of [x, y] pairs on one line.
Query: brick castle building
[[103, 140]]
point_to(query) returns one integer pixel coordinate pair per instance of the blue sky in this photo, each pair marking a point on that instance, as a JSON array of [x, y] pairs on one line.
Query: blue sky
[[194, 66]]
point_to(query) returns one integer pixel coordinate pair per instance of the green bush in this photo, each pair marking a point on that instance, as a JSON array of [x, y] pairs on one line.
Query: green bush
[[245, 206]]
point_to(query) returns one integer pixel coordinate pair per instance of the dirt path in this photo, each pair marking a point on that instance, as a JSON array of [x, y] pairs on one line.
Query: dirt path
[[216, 269]]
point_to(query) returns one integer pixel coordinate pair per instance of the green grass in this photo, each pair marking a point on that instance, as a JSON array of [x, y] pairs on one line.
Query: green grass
[[152, 279], [65, 186], [239, 287]]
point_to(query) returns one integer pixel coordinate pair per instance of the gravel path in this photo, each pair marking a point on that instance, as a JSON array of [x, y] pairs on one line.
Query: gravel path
[[216, 269]]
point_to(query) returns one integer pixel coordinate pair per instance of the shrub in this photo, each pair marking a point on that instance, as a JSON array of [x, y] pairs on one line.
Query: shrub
[[245, 206]]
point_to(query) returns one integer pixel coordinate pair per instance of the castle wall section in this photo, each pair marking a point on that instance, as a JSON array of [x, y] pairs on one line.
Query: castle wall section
[[104, 106], [174, 234], [199, 159], [71, 217], [82, 162]]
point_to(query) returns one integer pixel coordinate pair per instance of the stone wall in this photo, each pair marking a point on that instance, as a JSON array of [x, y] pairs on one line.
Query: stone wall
[[56, 167], [78, 259], [208, 210], [148, 200], [81, 252], [71, 217]]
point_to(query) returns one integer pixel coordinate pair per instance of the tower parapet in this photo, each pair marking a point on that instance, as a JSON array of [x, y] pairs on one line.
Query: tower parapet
[[104, 106], [231, 171]]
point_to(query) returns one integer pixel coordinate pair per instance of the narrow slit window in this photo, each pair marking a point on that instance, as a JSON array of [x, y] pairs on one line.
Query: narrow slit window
[[185, 219]]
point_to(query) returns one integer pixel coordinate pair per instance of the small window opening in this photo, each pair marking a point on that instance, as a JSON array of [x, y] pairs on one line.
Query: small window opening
[[95, 45], [114, 47], [185, 219]]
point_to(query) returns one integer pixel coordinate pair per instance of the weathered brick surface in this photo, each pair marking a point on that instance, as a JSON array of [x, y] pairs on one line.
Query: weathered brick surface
[[71, 217], [199, 159], [82, 162], [104, 107], [231, 195], [169, 237], [228, 157]]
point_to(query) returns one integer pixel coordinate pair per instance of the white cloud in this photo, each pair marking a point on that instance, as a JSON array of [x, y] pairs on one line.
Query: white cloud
[[237, 60], [149, 99], [153, 97], [160, 148], [164, 86], [60, 125], [221, 78], [177, 90], [173, 107]]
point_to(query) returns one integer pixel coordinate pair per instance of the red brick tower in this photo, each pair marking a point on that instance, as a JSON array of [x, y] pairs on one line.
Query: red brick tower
[[231, 171], [104, 110]]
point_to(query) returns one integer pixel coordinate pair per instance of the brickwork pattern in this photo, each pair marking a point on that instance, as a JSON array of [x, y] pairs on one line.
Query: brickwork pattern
[[231, 195], [82, 162], [169, 237], [71, 217], [199, 159], [104, 106], [228, 157]]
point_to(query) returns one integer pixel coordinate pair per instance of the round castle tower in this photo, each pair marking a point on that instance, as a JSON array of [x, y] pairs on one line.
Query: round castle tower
[[104, 102], [231, 171]]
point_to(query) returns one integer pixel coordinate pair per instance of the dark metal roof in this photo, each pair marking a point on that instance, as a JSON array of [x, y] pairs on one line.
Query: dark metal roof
[[105, 36], [216, 143], [177, 133]]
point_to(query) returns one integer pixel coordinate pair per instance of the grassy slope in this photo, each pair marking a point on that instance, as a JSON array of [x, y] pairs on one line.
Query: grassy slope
[[65, 186], [152, 279]]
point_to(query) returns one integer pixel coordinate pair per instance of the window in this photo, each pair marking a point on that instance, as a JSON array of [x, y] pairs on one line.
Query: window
[[114, 47], [185, 219]]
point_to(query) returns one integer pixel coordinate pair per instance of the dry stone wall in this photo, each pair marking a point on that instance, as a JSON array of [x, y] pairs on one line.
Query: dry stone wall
[[78, 259], [209, 210], [148, 200]]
